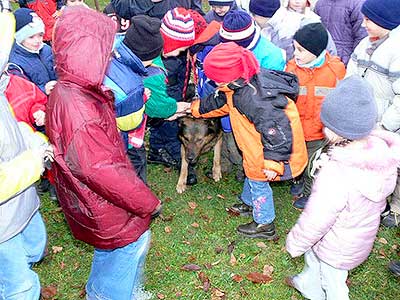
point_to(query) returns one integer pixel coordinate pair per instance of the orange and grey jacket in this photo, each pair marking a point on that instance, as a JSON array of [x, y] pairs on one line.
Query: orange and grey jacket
[[265, 123], [315, 84]]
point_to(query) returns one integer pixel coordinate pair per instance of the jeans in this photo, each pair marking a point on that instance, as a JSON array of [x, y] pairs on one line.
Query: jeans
[[17, 255], [137, 156], [117, 274], [320, 281], [258, 194], [166, 136]]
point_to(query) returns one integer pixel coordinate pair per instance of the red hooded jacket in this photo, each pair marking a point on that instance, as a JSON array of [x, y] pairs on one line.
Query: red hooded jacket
[[105, 203]]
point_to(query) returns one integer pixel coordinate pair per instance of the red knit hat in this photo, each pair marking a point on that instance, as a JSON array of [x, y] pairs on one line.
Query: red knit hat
[[177, 29], [227, 62]]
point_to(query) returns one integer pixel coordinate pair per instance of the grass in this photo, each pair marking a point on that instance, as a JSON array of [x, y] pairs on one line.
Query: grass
[[196, 229]]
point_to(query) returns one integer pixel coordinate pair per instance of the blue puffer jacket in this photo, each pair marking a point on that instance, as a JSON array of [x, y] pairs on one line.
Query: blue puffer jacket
[[37, 67], [124, 78]]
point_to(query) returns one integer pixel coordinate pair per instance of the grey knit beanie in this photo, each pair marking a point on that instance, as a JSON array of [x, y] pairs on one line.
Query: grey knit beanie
[[350, 109]]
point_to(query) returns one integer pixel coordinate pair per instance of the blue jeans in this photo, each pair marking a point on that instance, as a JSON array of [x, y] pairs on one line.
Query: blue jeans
[[17, 255], [258, 194], [117, 274]]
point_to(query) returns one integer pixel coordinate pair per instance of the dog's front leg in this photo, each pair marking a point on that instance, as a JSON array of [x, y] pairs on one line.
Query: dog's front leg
[[181, 185], [216, 170]]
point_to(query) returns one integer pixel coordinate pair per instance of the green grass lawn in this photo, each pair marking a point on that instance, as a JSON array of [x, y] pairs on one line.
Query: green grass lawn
[[196, 229]]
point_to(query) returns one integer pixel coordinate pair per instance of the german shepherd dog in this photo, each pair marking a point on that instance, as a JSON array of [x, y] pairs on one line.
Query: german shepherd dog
[[198, 136]]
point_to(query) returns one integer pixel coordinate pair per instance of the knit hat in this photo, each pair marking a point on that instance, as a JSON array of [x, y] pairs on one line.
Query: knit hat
[[385, 13], [220, 2], [177, 29], [28, 23], [227, 62], [350, 109], [312, 37], [264, 8], [202, 31], [239, 27], [143, 37]]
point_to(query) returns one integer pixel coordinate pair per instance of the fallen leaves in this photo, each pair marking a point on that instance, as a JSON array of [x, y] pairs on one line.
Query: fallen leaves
[[191, 267], [237, 278], [56, 249], [205, 281], [232, 260], [256, 277], [217, 294], [49, 292], [168, 229]]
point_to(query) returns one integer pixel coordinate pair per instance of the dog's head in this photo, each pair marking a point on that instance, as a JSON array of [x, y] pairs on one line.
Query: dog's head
[[198, 136]]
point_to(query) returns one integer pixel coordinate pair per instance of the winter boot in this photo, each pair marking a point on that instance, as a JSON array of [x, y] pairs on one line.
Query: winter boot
[[255, 230]]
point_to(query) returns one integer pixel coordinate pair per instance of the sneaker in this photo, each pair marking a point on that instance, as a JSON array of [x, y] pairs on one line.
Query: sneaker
[[391, 220], [297, 187], [255, 230], [301, 202], [394, 267], [161, 156], [242, 209], [43, 186], [52, 193]]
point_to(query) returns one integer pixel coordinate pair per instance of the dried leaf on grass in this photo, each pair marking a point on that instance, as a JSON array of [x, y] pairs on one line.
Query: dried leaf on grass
[[195, 225], [256, 277], [168, 229], [231, 247], [191, 267], [237, 278], [205, 281], [383, 241], [217, 294], [56, 249], [268, 270], [261, 245], [219, 249], [160, 296], [192, 205], [49, 292], [232, 260]]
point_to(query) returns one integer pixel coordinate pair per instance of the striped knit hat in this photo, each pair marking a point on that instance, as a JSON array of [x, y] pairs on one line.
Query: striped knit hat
[[177, 29], [239, 27]]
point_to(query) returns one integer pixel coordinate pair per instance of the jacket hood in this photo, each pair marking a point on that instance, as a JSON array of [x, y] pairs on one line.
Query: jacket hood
[[83, 40], [272, 83], [375, 159], [124, 55]]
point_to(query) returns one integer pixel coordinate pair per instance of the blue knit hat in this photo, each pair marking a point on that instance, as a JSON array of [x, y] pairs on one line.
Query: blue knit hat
[[220, 2], [350, 109], [28, 23], [264, 8], [239, 27], [385, 13]]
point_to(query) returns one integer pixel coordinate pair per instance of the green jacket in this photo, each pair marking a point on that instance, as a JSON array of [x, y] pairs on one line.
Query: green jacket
[[159, 105]]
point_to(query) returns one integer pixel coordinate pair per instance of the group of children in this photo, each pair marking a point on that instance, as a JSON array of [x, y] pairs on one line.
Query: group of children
[[271, 73]]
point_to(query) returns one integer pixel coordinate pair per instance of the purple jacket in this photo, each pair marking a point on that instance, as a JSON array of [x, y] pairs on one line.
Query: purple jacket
[[343, 19], [342, 216]]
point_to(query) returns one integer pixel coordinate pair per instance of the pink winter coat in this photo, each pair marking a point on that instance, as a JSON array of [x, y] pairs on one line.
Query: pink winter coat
[[342, 216]]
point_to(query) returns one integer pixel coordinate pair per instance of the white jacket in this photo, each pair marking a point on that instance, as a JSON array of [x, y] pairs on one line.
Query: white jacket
[[382, 71]]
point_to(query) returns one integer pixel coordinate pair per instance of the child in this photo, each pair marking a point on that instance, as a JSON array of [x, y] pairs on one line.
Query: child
[[22, 153], [377, 60], [26, 100], [48, 11], [318, 72], [343, 19], [105, 203], [285, 21], [265, 123], [219, 8], [141, 44], [338, 226], [30, 57], [239, 27]]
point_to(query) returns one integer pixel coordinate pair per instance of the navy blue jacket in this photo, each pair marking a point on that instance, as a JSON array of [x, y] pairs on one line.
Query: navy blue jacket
[[36, 67]]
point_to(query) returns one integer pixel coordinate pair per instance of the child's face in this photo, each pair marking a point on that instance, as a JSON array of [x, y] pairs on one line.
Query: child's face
[[74, 2], [298, 5], [260, 20], [374, 30], [220, 10], [302, 55], [33, 42]]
